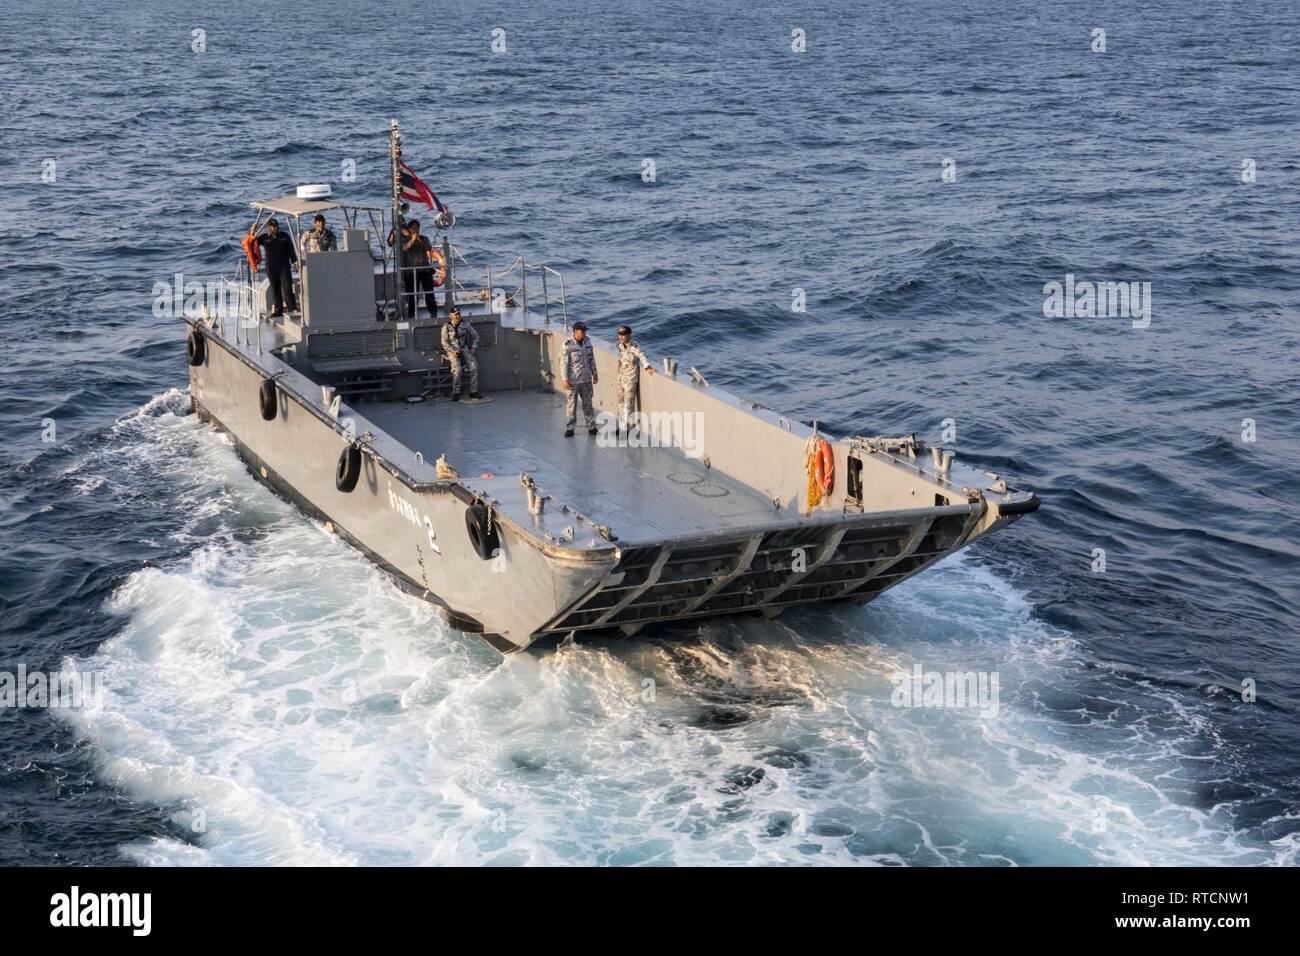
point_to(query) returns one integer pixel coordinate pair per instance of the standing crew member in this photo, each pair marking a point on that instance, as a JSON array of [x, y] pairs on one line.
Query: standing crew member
[[320, 238], [630, 362], [415, 255], [277, 250], [415, 252], [578, 368], [459, 343]]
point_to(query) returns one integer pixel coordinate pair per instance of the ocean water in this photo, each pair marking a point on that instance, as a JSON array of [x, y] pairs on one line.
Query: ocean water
[[273, 698]]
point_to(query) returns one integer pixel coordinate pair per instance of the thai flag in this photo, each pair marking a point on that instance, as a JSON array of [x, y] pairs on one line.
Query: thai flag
[[414, 189]]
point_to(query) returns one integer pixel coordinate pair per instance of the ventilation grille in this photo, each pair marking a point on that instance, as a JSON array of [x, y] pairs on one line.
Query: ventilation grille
[[327, 345]]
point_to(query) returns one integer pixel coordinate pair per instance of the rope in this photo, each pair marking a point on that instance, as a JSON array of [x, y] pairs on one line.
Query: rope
[[810, 465], [445, 471]]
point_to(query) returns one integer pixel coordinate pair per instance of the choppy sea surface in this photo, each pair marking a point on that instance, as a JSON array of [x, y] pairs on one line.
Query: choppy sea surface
[[271, 697]]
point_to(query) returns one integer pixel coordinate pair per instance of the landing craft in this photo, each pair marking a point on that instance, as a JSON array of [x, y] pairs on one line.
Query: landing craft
[[342, 408]]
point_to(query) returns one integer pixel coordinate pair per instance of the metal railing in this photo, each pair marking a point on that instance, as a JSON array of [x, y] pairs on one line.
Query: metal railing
[[247, 316], [521, 267], [411, 288], [483, 285], [486, 283]]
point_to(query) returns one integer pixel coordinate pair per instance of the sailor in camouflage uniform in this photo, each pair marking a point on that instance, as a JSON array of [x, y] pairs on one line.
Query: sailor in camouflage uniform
[[578, 368], [320, 237], [630, 362], [459, 343]]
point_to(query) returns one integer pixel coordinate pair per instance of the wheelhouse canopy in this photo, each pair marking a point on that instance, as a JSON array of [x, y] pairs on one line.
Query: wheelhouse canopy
[[293, 206]]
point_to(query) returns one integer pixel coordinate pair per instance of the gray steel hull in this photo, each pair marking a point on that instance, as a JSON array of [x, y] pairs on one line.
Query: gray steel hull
[[761, 553]]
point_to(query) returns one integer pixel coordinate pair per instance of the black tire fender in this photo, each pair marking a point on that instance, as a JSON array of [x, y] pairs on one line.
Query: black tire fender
[[348, 470], [267, 399], [483, 534], [196, 347], [1028, 506]]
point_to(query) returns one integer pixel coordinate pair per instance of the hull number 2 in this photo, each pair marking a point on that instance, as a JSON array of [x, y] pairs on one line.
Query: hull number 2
[[409, 512]]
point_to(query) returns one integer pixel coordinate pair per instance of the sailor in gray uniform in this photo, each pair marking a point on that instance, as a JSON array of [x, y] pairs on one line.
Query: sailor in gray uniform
[[459, 343], [578, 367], [630, 362]]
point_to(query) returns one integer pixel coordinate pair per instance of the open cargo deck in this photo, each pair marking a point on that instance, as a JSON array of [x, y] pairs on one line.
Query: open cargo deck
[[646, 493]]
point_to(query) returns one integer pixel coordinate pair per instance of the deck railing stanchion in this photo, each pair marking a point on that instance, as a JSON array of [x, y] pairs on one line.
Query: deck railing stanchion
[[546, 298], [564, 299]]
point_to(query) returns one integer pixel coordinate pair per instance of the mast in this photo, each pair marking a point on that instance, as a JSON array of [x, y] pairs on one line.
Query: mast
[[394, 151], [449, 283]]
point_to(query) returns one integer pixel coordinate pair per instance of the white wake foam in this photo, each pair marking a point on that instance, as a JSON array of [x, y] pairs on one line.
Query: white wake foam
[[294, 707]]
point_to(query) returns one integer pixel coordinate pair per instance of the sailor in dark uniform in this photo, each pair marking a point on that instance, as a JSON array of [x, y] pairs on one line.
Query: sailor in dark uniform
[[277, 250], [415, 254]]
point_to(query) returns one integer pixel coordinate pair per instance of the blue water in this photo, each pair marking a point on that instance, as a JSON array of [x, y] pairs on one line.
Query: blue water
[[275, 699]]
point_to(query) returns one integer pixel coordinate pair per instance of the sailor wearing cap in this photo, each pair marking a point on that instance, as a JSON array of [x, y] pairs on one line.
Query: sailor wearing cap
[[459, 343], [320, 237], [578, 369], [277, 249], [630, 362]]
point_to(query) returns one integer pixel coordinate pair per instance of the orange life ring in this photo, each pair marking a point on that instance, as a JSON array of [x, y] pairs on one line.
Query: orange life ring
[[253, 251], [824, 466], [439, 262]]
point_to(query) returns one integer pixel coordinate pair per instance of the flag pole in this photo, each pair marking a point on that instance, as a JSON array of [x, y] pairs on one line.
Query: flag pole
[[394, 151]]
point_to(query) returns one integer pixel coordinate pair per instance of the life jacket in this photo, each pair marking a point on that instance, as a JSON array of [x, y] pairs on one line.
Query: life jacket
[[254, 252]]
